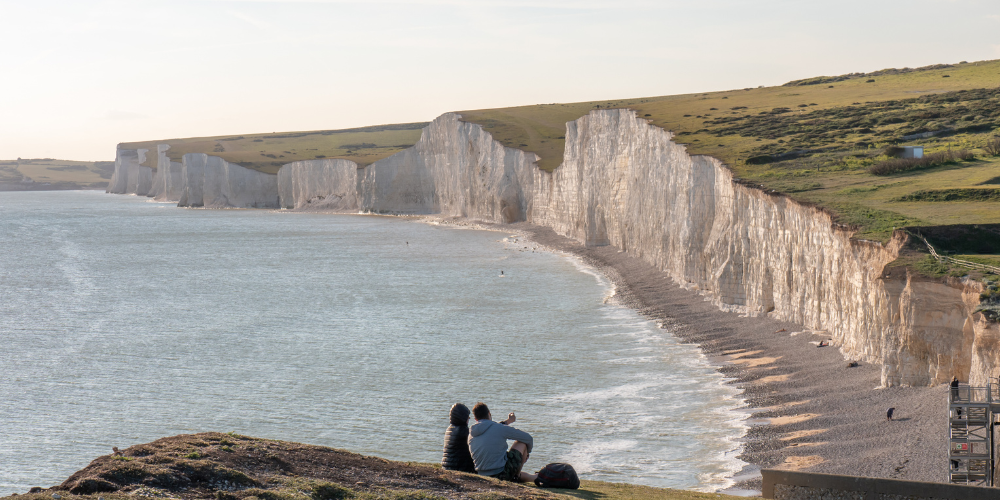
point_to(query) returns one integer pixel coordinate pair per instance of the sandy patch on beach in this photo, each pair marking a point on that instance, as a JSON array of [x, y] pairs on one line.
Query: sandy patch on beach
[[801, 434], [784, 406], [792, 419], [798, 463], [774, 378], [743, 359], [803, 445]]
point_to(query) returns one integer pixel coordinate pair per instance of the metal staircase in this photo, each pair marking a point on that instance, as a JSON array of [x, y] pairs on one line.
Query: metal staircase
[[971, 418]]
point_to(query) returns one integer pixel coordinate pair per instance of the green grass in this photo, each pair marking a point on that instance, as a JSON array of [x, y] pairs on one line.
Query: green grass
[[812, 139], [598, 490], [961, 240], [760, 134], [268, 152], [989, 260], [877, 204], [962, 194], [929, 266], [49, 170], [540, 128]]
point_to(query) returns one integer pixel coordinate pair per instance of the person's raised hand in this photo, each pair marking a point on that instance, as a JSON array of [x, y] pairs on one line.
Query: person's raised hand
[[511, 418]]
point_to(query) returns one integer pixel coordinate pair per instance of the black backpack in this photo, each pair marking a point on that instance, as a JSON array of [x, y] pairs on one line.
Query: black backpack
[[558, 476]]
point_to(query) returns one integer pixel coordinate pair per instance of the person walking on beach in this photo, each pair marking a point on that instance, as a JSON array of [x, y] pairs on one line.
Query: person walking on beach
[[488, 444], [456, 441]]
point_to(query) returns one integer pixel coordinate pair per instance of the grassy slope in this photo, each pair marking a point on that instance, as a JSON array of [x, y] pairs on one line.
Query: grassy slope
[[540, 128], [597, 490], [842, 124], [833, 176], [214, 466], [268, 152], [589, 490], [49, 170]]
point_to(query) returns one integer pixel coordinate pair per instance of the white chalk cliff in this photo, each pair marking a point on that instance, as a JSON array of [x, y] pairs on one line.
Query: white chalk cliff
[[455, 169], [168, 179], [200, 180], [328, 184], [211, 182], [129, 176], [625, 183]]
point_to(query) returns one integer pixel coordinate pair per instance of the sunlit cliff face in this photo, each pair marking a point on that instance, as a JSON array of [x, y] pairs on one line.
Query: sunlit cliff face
[[627, 184]]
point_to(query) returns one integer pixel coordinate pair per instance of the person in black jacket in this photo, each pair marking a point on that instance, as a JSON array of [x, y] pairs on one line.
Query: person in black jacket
[[456, 441]]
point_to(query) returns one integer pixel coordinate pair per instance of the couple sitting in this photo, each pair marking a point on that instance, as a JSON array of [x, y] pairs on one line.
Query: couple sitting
[[482, 448]]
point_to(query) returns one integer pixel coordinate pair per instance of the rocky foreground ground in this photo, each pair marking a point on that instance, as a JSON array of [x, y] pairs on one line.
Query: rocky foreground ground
[[233, 467]]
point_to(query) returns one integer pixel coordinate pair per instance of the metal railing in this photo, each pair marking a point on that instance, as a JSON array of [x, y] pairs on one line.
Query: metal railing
[[975, 395], [971, 418]]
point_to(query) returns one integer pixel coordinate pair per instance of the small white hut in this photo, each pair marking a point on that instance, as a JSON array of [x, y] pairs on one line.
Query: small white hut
[[912, 152]]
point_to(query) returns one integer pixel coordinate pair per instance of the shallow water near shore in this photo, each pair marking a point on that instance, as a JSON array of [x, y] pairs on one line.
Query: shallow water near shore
[[124, 320]]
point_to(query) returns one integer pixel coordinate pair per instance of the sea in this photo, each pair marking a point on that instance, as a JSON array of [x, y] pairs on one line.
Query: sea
[[124, 320]]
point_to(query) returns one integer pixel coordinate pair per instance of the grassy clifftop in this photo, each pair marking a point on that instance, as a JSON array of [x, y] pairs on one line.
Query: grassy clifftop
[[64, 173], [820, 140], [704, 120], [268, 152], [816, 139], [213, 466]]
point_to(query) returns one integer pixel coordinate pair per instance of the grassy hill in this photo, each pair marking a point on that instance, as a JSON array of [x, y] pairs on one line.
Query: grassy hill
[[816, 139], [705, 121], [66, 173], [820, 140], [268, 152], [214, 466]]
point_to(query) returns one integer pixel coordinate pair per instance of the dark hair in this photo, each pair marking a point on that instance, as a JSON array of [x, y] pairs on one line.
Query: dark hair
[[459, 414], [481, 411]]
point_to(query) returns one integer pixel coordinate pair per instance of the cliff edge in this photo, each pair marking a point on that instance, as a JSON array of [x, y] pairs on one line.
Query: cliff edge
[[215, 466], [625, 183]]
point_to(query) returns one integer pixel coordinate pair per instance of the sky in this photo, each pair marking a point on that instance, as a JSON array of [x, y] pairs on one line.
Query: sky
[[78, 77]]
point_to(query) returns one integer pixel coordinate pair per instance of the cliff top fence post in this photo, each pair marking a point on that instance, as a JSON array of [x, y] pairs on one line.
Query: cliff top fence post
[[794, 485], [959, 262]]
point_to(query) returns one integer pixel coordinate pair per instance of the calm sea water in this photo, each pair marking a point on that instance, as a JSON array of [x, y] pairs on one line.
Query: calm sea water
[[123, 321]]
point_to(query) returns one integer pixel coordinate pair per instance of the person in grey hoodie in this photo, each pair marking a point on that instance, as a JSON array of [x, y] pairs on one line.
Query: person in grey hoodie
[[488, 444]]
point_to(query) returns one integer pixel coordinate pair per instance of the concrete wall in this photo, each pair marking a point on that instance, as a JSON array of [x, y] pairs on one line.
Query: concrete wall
[[792, 485]]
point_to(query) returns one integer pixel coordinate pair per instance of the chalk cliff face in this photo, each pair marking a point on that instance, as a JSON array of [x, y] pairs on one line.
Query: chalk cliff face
[[455, 169], [129, 176], [328, 184], [931, 331], [119, 179], [627, 184], [985, 348], [211, 182], [167, 181]]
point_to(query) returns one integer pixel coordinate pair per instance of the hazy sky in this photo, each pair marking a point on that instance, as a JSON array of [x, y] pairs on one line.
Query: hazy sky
[[77, 77]]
